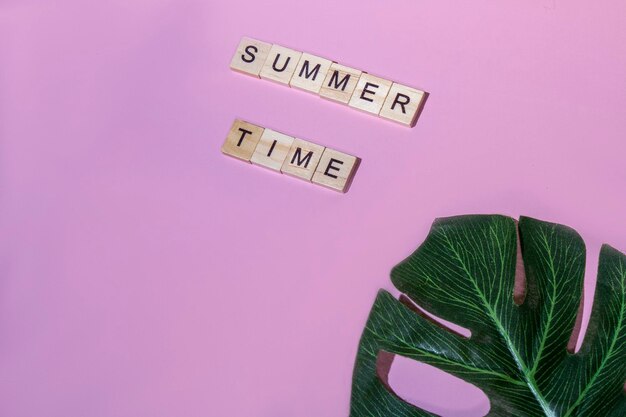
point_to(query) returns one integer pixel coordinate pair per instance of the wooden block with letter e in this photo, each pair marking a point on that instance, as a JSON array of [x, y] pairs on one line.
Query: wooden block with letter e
[[310, 73], [242, 140], [280, 64], [250, 56], [302, 159], [403, 104], [336, 170], [272, 150], [370, 93]]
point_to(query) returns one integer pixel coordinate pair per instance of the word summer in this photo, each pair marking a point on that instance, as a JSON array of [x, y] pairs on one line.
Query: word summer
[[329, 80], [288, 155]]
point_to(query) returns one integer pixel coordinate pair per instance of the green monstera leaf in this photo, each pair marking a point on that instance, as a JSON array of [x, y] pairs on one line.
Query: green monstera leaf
[[465, 273]]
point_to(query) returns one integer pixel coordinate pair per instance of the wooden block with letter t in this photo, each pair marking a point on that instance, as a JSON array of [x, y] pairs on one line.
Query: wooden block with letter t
[[403, 104], [280, 64], [302, 159], [272, 150], [242, 140], [250, 56], [340, 82], [336, 170], [370, 93], [310, 73]]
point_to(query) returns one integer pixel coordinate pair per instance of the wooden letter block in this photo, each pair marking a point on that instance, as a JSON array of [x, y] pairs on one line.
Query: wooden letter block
[[302, 159], [340, 82], [280, 64], [402, 104], [272, 150], [242, 140], [310, 73], [250, 56], [370, 93], [335, 170]]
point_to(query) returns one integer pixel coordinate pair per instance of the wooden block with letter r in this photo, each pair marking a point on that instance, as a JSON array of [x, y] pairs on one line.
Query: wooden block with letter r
[[242, 140], [302, 159], [336, 170], [403, 104], [250, 56]]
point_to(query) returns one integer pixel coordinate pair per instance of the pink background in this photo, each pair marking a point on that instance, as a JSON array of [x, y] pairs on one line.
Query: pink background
[[142, 273]]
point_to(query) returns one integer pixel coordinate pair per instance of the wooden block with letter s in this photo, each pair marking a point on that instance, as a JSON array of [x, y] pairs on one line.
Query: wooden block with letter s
[[250, 56]]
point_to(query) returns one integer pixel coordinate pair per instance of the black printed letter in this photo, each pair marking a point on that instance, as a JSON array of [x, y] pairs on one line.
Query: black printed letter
[[365, 90], [272, 148], [252, 56], [401, 103], [276, 62], [244, 132], [297, 156], [313, 72], [330, 166], [335, 78]]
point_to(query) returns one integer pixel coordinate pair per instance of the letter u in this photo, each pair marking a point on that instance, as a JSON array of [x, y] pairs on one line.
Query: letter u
[[276, 62]]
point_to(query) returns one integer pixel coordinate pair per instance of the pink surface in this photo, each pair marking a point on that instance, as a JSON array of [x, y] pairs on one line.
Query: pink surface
[[142, 273]]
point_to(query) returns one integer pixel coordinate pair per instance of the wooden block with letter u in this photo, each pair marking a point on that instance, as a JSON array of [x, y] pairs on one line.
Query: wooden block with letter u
[[291, 156]]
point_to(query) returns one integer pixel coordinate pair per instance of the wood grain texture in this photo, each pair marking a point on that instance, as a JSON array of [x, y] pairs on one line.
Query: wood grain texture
[[242, 140], [310, 73], [280, 64], [403, 104], [340, 83], [272, 150], [250, 56], [370, 93], [302, 159], [335, 170]]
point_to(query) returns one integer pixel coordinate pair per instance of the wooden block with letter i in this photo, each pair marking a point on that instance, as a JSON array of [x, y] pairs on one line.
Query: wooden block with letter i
[[403, 104], [310, 73], [280, 64], [336, 170], [250, 56], [242, 140], [302, 159], [272, 150], [370, 93]]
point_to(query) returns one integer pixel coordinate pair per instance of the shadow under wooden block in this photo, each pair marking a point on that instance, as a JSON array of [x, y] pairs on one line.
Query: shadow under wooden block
[[340, 83], [272, 150], [242, 140], [302, 159], [250, 56], [336, 170], [370, 93], [403, 104], [280, 64], [310, 73]]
